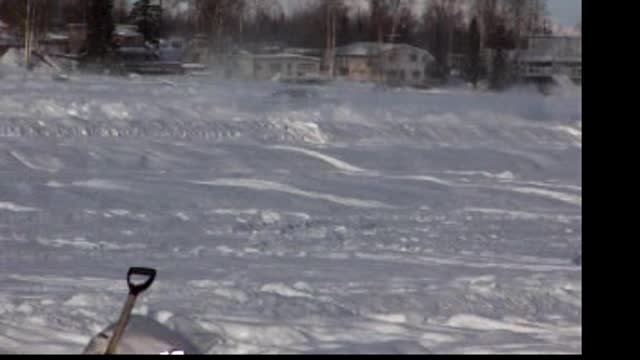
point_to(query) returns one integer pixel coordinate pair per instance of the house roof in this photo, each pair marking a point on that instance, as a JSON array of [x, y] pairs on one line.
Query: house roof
[[363, 49], [53, 37], [537, 58], [3, 25], [553, 36], [126, 30], [286, 56], [304, 51], [6, 38], [373, 48]]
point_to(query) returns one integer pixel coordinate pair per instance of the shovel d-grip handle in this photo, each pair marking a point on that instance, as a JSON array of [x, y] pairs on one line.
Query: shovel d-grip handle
[[134, 291], [137, 289]]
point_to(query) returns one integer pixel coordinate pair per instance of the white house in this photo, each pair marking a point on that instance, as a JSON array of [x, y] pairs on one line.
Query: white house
[[544, 56], [285, 66], [406, 65], [6, 38], [400, 64]]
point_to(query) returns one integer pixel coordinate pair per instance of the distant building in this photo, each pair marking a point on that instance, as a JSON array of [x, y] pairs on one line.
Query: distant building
[[55, 43], [127, 36], [405, 65], [198, 51], [131, 46], [290, 66], [78, 34], [241, 65], [7, 38], [173, 49], [4, 28], [392, 63], [544, 56], [305, 51]]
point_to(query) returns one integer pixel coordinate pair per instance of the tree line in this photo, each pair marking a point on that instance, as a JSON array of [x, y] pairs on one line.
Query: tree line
[[443, 27]]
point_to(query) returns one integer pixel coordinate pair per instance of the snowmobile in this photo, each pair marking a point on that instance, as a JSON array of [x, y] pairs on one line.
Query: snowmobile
[[138, 334]]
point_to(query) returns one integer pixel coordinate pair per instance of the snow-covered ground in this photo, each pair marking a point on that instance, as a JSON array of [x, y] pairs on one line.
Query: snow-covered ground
[[341, 219]]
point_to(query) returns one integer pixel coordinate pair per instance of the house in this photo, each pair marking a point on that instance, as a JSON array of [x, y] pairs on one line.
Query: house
[[78, 34], [403, 64], [131, 46], [240, 65], [285, 66], [4, 30], [357, 61], [127, 36], [314, 52], [543, 56], [55, 43], [173, 49], [197, 50], [7, 39], [392, 63]]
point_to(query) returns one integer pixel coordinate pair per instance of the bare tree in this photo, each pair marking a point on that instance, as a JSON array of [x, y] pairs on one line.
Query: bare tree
[[219, 17], [120, 13], [474, 64], [525, 17], [442, 18], [31, 19], [385, 15], [100, 27], [332, 9]]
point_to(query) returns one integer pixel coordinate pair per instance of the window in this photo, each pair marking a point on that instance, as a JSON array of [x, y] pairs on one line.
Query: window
[[414, 57], [417, 74], [344, 71]]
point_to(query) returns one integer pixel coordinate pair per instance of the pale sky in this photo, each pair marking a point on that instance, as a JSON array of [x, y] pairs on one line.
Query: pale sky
[[565, 12]]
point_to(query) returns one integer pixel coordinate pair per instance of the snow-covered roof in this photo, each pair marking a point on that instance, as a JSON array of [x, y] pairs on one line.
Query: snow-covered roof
[[552, 48], [3, 25], [373, 48], [126, 30], [56, 37], [303, 51], [554, 36], [362, 49], [537, 58], [286, 56]]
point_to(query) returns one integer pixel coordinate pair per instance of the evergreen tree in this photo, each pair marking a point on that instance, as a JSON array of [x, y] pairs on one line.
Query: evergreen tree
[[100, 27], [474, 65], [148, 17]]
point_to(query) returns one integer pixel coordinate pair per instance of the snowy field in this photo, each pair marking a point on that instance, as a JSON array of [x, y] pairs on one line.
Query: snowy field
[[342, 219]]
